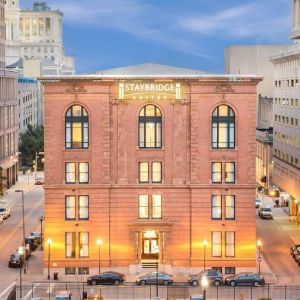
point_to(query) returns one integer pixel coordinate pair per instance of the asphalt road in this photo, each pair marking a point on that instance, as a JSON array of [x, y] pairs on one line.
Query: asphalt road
[[11, 230]]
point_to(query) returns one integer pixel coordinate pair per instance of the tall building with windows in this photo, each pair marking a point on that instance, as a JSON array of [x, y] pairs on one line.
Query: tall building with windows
[[8, 116], [287, 115], [152, 160]]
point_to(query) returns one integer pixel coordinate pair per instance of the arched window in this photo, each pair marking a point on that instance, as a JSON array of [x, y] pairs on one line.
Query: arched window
[[77, 128], [150, 127], [223, 127]]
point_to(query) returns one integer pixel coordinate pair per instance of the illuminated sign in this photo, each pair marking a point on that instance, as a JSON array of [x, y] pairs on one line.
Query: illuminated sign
[[149, 90]]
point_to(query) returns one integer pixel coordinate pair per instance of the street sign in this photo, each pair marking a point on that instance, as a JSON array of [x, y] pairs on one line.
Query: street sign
[[259, 259]]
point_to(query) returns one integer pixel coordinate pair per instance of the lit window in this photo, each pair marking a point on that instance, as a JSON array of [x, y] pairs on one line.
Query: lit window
[[216, 245], [156, 172], [229, 207], [70, 172], [229, 243], [216, 172], [143, 172], [83, 172], [83, 244], [83, 207], [230, 172], [70, 208], [156, 206], [150, 129], [216, 207], [143, 207], [223, 127], [70, 244]]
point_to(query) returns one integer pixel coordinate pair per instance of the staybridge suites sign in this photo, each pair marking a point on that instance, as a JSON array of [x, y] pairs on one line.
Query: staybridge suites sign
[[140, 90]]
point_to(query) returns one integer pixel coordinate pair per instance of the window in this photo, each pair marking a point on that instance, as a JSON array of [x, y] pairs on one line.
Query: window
[[83, 172], [223, 127], [216, 172], [84, 244], [229, 207], [77, 128], [70, 244], [143, 172], [70, 208], [229, 172], [150, 127], [70, 271], [229, 270], [156, 172], [156, 206], [229, 243], [143, 207], [83, 207], [83, 270], [216, 207], [216, 243], [70, 172]]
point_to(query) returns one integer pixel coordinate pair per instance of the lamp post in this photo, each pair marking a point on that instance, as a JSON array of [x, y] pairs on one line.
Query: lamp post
[[156, 251], [204, 283], [23, 216], [259, 243], [49, 242], [99, 243], [204, 252], [21, 252], [42, 236]]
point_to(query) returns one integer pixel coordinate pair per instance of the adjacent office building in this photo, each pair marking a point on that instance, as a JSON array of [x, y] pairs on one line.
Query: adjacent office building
[[152, 160], [8, 116]]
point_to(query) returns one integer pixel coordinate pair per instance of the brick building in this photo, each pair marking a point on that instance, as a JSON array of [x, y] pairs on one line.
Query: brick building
[[152, 160]]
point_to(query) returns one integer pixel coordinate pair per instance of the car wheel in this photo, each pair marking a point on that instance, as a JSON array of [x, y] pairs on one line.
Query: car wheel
[[117, 282], [217, 283], [195, 283], [94, 282], [256, 283], [232, 283], [143, 282], [166, 282]]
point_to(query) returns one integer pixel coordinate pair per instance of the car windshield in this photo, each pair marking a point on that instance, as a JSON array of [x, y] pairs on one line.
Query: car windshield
[[266, 209], [14, 256], [2, 209]]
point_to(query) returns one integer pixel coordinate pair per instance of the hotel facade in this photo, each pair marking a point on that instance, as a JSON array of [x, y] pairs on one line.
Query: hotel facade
[[152, 161]]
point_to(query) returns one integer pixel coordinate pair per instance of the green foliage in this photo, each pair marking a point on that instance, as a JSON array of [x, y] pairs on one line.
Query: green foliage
[[31, 141]]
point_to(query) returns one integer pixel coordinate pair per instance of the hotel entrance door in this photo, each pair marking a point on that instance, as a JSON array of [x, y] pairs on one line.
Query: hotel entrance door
[[150, 245]]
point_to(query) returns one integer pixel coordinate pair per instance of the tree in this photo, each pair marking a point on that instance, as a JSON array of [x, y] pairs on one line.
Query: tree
[[31, 141]]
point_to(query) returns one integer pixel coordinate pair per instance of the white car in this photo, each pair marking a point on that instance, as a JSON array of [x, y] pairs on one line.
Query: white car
[[258, 203], [1, 219], [5, 212]]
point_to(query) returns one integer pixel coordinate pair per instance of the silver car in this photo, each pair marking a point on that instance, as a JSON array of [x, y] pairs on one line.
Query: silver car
[[159, 278], [5, 212]]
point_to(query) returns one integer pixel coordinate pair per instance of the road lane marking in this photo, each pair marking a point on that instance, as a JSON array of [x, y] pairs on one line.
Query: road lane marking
[[7, 289], [31, 292]]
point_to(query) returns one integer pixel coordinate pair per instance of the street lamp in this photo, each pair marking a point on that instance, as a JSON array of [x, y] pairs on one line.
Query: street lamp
[[49, 242], [23, 215], [42, 237], [204, 283], [156, 251], [259, 243], [99, 243], [21, 252], [204, 252]]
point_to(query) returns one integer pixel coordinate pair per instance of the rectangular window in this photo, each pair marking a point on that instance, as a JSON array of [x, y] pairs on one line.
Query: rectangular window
[[216, 207], [83, 244], [156, 206], [229, 244], [229, 207], [156, 172], [216, 172], [83, 172], [216, 244], [83, 270], [229, 270], [70, 172], [230, 172], [48, 26], [143, 172], [83, 207], [70, 271], [41, 26], [70, 208], [70, 244], [143, 207]]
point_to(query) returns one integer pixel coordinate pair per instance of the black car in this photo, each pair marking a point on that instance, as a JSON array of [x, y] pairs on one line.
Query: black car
[[213, 277], [106, 278], [37, 236], [16, 260], [293, 248], [245, 279], [31, 242]]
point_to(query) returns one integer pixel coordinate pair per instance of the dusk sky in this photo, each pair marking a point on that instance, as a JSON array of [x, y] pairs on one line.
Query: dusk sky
[[103, 34]]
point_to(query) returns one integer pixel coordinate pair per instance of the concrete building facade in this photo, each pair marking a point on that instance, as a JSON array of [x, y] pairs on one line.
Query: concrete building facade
[[152, 160]]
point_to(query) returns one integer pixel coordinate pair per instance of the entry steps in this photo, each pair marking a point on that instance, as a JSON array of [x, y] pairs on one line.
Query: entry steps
[[149, 264]]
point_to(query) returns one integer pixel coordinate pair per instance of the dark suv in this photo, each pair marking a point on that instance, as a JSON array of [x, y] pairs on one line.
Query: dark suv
[[31, 242], [213, 277]]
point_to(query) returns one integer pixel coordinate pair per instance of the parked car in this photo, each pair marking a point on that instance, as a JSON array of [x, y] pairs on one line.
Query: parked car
[[245, 279], [39, 181], [94, 297], [154, 277], [293, 248], [265, 212], [213, 277], [197, 297], [297, 258], [37, 236], [5, 212], [258, 203], [27, 251], [16, 260], [31, 242], [63, 295], [106, 278], [296, 253]]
